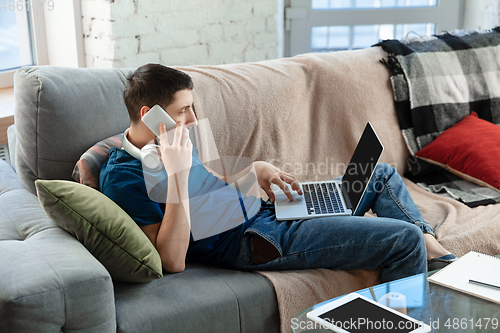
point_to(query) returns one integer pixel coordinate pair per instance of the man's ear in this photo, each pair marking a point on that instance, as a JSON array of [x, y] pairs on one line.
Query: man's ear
[[144, 110]]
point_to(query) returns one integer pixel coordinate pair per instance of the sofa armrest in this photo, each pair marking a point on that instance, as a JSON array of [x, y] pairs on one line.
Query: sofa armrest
[[49, 282]]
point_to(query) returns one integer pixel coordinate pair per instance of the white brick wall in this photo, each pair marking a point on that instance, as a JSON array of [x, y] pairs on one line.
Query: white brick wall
[[129, 33]]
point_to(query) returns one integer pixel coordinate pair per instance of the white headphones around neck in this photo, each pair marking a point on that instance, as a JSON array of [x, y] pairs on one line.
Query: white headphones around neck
[[148, 155]]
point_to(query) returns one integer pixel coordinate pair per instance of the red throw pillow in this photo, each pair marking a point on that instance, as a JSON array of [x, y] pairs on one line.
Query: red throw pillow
[[470, 149], [87, 169]]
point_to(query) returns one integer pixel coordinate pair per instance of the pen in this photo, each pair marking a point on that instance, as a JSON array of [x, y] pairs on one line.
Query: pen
[[484, 284]]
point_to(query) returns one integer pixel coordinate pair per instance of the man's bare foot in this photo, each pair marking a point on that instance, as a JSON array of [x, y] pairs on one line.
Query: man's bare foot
[[434, 248], [437, 256]]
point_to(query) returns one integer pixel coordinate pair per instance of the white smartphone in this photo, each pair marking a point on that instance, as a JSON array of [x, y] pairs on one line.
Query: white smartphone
[[356, 313], [155, 116]]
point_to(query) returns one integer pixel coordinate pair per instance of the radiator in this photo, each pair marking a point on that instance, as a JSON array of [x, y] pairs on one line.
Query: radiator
[[4, 153]]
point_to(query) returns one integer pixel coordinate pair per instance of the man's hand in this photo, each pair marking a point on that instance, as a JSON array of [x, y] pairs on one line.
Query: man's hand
[[176, 156], [171, 236], [268, 174]]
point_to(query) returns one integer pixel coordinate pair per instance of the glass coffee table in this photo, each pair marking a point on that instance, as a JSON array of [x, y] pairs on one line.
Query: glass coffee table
[[443, 309]]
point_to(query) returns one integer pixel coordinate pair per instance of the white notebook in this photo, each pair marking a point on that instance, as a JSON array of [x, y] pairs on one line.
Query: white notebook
[[472, 266]]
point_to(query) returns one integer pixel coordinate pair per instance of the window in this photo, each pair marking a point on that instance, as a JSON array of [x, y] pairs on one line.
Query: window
[[335, 38], [18, 18], [15, 41], [353, 4], [333, 25]]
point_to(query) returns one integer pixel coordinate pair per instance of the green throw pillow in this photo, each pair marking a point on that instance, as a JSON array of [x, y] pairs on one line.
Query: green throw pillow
[[103, 228]]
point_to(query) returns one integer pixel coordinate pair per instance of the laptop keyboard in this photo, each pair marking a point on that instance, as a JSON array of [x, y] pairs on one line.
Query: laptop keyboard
[[322, 198]]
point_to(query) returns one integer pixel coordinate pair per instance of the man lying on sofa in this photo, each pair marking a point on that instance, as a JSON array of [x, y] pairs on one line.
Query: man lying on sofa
[[398, 241]]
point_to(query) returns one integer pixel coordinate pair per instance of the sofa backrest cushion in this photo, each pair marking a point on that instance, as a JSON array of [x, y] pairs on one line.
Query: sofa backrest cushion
[[303, 114], [60, 113]]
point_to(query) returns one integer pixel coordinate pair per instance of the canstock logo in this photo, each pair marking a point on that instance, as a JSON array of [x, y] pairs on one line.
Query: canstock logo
[[312, 170]]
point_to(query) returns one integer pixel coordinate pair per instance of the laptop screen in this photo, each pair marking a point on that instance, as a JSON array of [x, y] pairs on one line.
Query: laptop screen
[[362, 164]]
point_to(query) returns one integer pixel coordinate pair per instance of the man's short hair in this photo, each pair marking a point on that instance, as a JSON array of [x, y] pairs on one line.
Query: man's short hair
[[153, 84]]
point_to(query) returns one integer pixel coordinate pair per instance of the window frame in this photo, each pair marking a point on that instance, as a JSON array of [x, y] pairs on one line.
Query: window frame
[[36, 22], [300, 18]]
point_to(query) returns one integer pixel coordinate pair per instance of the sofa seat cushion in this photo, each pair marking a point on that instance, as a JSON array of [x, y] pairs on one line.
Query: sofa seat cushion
[[200, 299]]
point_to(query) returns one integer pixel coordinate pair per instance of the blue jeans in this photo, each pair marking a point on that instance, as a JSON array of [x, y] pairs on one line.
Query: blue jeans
[[392, 241]]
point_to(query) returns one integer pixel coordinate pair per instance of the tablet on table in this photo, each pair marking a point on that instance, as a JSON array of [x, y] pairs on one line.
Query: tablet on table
[[355, 313]]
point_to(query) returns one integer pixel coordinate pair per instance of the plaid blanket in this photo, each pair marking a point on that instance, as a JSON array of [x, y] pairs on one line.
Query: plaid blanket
[[437, 81], [449, 185]]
